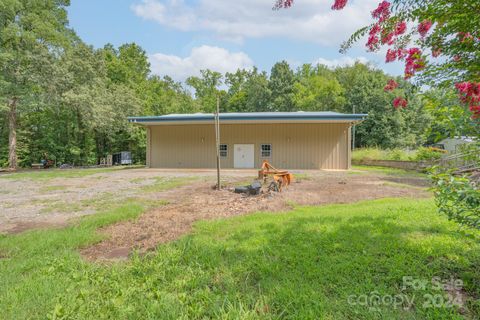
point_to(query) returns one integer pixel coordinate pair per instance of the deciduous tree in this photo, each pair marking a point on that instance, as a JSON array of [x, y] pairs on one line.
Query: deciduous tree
[[207, 89], [32, 34], [317, 89], [281, 85]]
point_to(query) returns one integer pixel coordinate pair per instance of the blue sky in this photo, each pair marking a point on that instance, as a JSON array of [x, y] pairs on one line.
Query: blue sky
[[182, 37]]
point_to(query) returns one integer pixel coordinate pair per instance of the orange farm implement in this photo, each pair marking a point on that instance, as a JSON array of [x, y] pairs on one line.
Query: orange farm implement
[[281, 178]]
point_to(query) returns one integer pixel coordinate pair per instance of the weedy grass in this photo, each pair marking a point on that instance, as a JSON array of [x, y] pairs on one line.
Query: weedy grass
[[50, 174], [386, 171], [48, 189], [383, 154], [163, 184], [404, 186], [138, 180], [303, 264], [101, 202], [62, 207], [107, 200]]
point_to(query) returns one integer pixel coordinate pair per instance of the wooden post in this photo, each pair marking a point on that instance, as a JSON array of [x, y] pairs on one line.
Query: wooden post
[[217, 138]]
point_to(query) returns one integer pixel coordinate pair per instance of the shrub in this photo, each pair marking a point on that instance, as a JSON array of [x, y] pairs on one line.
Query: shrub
[[382, 154], [429, 154], [458, 197], [367, 154], [397, 154]]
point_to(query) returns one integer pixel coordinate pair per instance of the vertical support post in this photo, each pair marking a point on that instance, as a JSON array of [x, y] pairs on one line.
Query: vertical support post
[[217, 138], [353, 132], [149, 148]]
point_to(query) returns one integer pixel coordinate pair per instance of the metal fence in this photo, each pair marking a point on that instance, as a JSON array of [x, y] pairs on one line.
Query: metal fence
[[463, 162]]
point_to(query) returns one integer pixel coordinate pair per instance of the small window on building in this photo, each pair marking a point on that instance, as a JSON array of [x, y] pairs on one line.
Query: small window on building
[[266, 150], [223, 150]]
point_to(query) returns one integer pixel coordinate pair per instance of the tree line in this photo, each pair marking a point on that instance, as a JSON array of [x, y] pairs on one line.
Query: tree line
[[65, 100]]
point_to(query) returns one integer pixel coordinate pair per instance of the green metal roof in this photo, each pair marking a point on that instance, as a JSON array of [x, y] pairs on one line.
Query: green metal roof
[[253, 116]]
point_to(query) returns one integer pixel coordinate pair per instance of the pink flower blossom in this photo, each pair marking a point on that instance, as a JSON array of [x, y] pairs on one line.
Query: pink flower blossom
[[465, 87], [436, 52], [400, 28], [469, 93], [391, 85], [465, 37], [413, 62], [402, 53], [400, 102], [375, 29], [391, 56], [387, 38], [424, 27], [382, 12], [372, 43], [373, 40], [283, 4], [339, 4], [475, 109]]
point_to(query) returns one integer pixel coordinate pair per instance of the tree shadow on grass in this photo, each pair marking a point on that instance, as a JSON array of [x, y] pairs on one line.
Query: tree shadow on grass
[[308, 267]]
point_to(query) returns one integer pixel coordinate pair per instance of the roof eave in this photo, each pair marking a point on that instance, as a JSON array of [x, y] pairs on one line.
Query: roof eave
[[244, 120]]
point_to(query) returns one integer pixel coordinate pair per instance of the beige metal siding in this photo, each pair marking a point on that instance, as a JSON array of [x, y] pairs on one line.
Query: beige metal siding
[[294, 146], [149, 147], [349, 148]]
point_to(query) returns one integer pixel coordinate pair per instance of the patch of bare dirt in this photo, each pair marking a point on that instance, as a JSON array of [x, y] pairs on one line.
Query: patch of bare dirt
[[199, 201], [31, 204], [52, 222]]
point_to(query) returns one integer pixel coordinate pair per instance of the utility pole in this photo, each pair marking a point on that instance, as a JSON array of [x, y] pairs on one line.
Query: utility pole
[[217, 139]]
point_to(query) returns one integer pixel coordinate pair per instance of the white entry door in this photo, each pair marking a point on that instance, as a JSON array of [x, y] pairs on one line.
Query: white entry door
[[244, 156]]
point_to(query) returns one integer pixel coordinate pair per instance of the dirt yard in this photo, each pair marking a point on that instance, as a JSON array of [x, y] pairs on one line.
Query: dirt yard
[[186, 196]]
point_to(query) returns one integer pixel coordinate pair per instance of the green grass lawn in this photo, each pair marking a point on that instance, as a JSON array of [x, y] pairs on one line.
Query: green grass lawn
[[387, 171], [304, 264]]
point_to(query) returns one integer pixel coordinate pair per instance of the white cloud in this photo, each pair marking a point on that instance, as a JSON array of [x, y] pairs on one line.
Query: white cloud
[[344, 61], [203, 57], [310, 20], [174, 13]]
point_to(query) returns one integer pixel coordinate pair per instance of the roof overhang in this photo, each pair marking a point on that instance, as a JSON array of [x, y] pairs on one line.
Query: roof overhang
[[250, 118]]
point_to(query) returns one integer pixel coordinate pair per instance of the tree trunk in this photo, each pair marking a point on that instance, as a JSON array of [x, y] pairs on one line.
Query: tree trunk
[[12, 137]]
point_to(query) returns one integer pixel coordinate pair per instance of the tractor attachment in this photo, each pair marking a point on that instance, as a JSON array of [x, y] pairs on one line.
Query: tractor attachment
[[281, 178]]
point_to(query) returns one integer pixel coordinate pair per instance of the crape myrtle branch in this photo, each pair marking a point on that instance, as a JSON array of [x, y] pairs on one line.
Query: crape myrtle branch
[[433, 33]]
